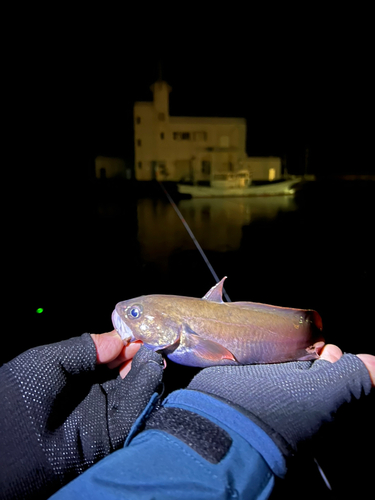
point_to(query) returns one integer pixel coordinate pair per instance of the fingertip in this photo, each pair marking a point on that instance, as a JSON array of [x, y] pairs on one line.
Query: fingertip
[[125, 368], [108, 346], [131, 349], [331, 353], [369, 362]]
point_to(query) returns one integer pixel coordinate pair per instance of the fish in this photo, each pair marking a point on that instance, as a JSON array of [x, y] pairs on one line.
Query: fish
[[207, 331]]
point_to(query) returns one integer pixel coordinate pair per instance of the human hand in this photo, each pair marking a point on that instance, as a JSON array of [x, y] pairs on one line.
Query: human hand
[[290, 401], [110, 350], [65, 412], [332, 353]]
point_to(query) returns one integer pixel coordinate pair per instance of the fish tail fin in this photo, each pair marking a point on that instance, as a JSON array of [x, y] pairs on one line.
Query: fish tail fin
[[316, 326], [316, 320]]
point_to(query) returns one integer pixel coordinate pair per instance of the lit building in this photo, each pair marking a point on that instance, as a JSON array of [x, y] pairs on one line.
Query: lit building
[[191, 149]]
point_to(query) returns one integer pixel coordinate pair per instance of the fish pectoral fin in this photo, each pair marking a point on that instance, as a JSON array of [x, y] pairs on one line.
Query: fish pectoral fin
[[215, 294], [207, 349]]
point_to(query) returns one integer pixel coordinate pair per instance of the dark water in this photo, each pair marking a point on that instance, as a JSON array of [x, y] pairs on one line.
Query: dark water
[[314, 251]]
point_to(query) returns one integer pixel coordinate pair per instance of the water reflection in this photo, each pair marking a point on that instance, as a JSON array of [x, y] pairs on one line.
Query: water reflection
[[216, 223]]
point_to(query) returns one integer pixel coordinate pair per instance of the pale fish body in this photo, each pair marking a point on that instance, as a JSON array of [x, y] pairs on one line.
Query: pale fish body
[[206, 332]]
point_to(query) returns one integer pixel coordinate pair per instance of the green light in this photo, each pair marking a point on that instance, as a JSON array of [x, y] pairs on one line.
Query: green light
[[39, 310]]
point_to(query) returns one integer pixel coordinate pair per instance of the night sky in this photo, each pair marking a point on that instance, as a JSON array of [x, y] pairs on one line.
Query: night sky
[[300, 78]]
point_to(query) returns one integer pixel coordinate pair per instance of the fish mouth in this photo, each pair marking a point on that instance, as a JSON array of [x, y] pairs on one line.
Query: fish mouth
[[121, 327]]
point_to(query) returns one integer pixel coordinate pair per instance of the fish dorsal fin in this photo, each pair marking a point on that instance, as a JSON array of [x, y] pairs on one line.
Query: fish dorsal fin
[[215, 294]]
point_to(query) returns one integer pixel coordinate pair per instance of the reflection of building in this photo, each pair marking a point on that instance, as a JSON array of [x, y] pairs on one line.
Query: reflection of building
[[190, 148]]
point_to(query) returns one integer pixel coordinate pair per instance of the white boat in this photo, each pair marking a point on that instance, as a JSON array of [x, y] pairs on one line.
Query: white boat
[[229, 180], [239, 184]]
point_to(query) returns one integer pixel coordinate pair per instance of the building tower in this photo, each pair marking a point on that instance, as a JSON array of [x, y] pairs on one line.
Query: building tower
[[160, 90]]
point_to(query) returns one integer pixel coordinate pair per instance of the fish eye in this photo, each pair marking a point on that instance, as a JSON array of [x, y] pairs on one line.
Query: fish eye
[[134, 312]]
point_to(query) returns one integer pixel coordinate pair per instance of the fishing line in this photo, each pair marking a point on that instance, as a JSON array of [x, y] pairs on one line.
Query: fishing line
[[324, 477], [191, 234]]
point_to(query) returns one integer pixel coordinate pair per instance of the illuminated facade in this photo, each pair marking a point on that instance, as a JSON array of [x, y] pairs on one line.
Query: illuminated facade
[[191, 148]]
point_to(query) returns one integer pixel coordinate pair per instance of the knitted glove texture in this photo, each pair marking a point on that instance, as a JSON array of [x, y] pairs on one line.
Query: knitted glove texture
[[61, 413], [290, 401]]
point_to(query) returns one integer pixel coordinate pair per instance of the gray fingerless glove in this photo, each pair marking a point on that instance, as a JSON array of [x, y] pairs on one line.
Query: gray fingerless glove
[[290, 401], [60, 413]]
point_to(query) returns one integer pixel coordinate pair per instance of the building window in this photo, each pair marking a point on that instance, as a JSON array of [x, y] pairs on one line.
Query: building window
[[161, 117], [138, 120], [206, 167], [161, 135], [271, 174], [139, 142], [162, 169], [200, 136], [181, 136], [139, 164]]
